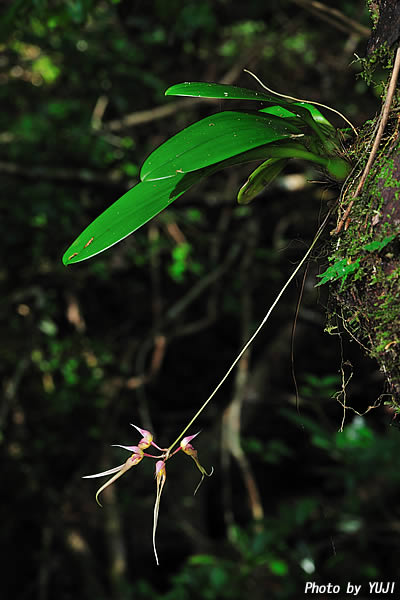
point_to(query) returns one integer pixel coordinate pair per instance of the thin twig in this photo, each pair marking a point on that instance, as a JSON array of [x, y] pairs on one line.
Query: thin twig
[[98, 112], [339, 19], [271, 91]]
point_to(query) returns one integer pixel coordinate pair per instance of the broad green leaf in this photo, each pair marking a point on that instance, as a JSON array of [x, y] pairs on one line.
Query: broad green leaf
[[139, 205], [200, 89], [315, 113], [222, 91], [260, 179], [127, 214], [230, 92], [150, 197], [279, 111], [285, 113], [214, 139]]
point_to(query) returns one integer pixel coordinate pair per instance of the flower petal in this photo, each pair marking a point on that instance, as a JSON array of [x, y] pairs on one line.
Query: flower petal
[[143, 432], [131, 462], [188, 439], [109, 472], [134, 449]]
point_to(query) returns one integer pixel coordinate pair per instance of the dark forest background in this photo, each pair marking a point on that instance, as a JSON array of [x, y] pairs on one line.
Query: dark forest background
[[143, 332]]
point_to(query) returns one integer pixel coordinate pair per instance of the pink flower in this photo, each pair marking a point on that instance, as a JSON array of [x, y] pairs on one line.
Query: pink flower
[[188, 449], [137, 455], [133, 460], [147, 439]]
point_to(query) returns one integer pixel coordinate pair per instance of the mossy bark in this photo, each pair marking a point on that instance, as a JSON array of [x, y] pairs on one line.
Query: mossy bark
[[366, 290], [366, 249]]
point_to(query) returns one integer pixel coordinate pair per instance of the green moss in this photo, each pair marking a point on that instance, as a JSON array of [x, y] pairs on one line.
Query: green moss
[[367, 294], [380, 60]]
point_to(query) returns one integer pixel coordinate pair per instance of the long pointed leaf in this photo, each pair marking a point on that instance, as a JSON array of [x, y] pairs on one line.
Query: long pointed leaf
[[128, 213], [318, 117], [230, 92], [148, 198], [214, 139], [201, 89], [140, 204]]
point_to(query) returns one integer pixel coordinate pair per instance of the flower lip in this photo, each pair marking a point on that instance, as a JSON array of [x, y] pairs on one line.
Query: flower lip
[[160, 468]]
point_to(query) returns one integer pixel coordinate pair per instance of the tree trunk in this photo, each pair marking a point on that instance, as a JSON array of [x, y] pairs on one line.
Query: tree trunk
[[365, 258]]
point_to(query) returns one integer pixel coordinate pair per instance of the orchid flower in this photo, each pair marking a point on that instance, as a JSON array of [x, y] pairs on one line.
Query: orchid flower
[[137, 455], [133, 460], [147, 439], [188, 449]]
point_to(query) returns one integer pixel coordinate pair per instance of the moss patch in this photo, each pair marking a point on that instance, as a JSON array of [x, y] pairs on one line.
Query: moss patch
[[366, 292]]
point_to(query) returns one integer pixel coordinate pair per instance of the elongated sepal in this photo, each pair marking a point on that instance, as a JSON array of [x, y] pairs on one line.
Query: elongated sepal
[[161, 477], [103, 473], [119, 471], [188, 449], [135, 449], [203, 473]]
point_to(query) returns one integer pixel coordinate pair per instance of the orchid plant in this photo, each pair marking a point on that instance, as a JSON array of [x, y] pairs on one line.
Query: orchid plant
[[160, 472], [280, 130]]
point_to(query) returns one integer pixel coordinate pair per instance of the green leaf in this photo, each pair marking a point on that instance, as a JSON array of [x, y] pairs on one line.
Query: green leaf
[[200, 89], [127, 214], [340, 270], [139, 205], [316, 114], [214, 139], [376, 245], [230, 92], [304, 110], [260, 179], [280, 111]]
